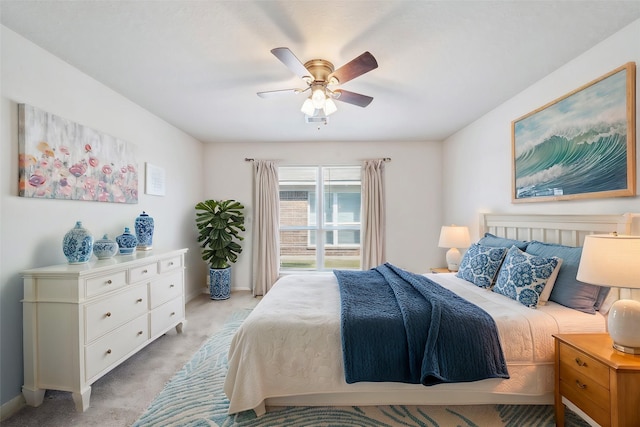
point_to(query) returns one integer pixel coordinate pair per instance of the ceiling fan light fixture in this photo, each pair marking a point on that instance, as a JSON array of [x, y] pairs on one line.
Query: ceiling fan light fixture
[[329, 107], [318, 97], [308, 108]]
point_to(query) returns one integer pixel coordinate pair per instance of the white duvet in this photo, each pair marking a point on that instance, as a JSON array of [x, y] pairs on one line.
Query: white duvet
[[288, 351]]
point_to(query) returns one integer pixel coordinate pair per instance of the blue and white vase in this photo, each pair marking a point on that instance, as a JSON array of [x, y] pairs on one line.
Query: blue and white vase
[[127, 242], [105, 248], [220, 283], [77, 244], [144, 231]]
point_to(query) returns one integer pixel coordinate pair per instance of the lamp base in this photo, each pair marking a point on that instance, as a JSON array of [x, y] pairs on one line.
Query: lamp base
[[623, 321], [453, 259]]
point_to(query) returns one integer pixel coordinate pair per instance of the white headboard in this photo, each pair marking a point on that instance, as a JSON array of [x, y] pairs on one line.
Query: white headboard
[[569, 230]]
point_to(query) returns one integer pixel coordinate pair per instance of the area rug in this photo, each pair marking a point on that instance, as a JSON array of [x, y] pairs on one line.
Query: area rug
[[194, 398]]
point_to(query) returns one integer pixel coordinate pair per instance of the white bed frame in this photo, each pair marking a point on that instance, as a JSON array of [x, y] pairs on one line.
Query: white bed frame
[[568, 230]]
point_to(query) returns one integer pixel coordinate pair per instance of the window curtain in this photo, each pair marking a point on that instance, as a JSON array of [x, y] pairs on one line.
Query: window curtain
[[266, 224], [373, 214]]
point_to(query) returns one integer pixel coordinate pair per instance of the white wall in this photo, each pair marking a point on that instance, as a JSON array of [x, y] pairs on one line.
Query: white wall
[[478, 158], [31, 230], [413, 181]]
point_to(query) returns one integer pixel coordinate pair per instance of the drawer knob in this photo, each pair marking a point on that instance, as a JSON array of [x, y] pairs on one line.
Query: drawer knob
[[173, 313], [139, 300], [109, 282], [580, 362], [139, 332], [172, 285], [170, 263], [108, 314], [109, 351], [144, 271], [580, 385]]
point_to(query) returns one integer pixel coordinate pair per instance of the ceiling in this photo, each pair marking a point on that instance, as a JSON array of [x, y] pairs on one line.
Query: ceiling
[[199, 64]]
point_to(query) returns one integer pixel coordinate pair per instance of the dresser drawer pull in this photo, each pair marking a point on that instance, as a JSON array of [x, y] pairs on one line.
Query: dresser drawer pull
[[108, 314], [170, 263], [109, 351], [580, 362], [140, 332], [172, 285], [109, 282], [580, 385], [173, 313], [144, 271], [139, 300]]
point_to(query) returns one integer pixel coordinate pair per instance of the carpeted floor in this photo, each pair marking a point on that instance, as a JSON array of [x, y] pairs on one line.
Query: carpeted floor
[[194, 397]]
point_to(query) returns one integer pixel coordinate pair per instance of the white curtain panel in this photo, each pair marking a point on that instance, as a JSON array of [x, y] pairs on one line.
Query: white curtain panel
[[373, 214], [266, 224]]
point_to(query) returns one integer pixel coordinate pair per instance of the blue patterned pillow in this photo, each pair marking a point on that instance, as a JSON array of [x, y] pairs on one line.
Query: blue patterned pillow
[[480, 264], [523, 276]]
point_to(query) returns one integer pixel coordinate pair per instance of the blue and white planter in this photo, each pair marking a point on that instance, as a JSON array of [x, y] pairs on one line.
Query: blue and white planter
[[144, 231], [220, 283], [77, 244], [127, 242]]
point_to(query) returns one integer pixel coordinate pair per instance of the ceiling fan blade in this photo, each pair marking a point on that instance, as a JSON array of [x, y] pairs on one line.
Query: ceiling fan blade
[[354, 68], [272, 93], [352, 98], [291, 61]]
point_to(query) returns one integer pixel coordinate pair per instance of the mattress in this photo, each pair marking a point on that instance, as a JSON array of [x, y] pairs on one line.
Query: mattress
[[288, 351]]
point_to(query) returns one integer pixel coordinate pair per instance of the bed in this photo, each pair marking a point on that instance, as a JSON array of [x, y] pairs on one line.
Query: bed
[[288, 352]]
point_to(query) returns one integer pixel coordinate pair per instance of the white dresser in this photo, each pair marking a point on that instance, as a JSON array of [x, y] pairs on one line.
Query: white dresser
[[81, 321]]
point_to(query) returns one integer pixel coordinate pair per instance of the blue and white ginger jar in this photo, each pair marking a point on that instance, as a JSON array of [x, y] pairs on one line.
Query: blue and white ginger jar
[[127, 242], [144, 231], [77, 244], [105, 248]]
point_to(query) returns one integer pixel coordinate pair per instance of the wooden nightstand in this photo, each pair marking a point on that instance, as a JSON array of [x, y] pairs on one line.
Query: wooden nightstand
[[602, 382], [440, 270]]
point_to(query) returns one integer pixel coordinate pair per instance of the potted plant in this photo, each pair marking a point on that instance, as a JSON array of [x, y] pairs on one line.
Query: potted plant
[[219, 224]]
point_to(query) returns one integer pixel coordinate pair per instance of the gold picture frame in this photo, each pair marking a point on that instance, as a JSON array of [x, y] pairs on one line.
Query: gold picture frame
[[579, 146]]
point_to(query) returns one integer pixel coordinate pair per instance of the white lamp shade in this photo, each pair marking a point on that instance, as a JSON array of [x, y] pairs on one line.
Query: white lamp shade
[[454, 236], [611, 260]]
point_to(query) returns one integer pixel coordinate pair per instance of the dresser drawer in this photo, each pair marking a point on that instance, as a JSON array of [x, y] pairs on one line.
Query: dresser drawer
[[593, 399], [169, 264], [114, 311], [106, 283], [109, 349], [587, 366], [143, 272], [167, 315], [165, 287]]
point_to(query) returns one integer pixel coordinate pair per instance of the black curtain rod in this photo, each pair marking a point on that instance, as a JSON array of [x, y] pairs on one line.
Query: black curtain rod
[[249, 159]]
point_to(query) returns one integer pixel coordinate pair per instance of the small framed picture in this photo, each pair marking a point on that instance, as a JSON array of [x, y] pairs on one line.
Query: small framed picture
[[154, 180]]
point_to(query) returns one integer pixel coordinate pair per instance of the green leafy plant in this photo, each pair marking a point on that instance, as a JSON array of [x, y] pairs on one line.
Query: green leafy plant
[[219, 223]]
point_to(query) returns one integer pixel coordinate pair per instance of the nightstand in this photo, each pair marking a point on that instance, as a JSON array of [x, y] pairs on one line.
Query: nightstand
[[602, 382], [440, 270]]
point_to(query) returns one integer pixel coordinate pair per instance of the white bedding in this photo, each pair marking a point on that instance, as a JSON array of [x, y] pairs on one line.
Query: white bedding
[[288, 351]]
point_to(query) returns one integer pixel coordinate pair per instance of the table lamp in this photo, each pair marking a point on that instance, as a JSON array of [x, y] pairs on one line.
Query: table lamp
[[454, 237], [612, 260]]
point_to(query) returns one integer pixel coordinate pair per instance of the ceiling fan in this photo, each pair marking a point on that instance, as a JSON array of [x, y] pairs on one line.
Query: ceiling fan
[[319, 75]]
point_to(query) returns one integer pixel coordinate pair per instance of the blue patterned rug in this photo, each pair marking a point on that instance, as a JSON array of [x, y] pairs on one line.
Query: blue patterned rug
[[194, 397]]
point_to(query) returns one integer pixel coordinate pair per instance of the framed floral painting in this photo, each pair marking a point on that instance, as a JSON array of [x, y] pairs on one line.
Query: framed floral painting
[[60, 159], [579, 146]]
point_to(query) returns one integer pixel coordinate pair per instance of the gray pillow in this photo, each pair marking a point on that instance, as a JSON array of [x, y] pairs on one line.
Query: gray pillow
[[567, 290]]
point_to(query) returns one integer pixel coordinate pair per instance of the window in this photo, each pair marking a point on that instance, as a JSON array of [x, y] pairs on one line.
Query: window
[[319, 233]]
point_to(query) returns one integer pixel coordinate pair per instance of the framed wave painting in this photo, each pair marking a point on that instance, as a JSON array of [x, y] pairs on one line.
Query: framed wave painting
[[579, 146], [60, 159]]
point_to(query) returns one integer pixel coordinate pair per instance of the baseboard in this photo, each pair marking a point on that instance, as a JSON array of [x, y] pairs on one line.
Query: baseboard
[[12, 407]]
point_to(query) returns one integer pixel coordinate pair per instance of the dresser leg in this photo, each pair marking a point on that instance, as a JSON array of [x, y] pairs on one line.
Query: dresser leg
[[82, 399], [34, 397], [179, 327], [560, 414]]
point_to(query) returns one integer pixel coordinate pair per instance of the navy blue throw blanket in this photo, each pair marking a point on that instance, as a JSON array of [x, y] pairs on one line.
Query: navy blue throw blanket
[[402, 327]]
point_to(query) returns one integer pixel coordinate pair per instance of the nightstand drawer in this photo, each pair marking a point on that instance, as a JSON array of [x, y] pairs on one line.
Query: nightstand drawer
[[592, 399], [583, 365]]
